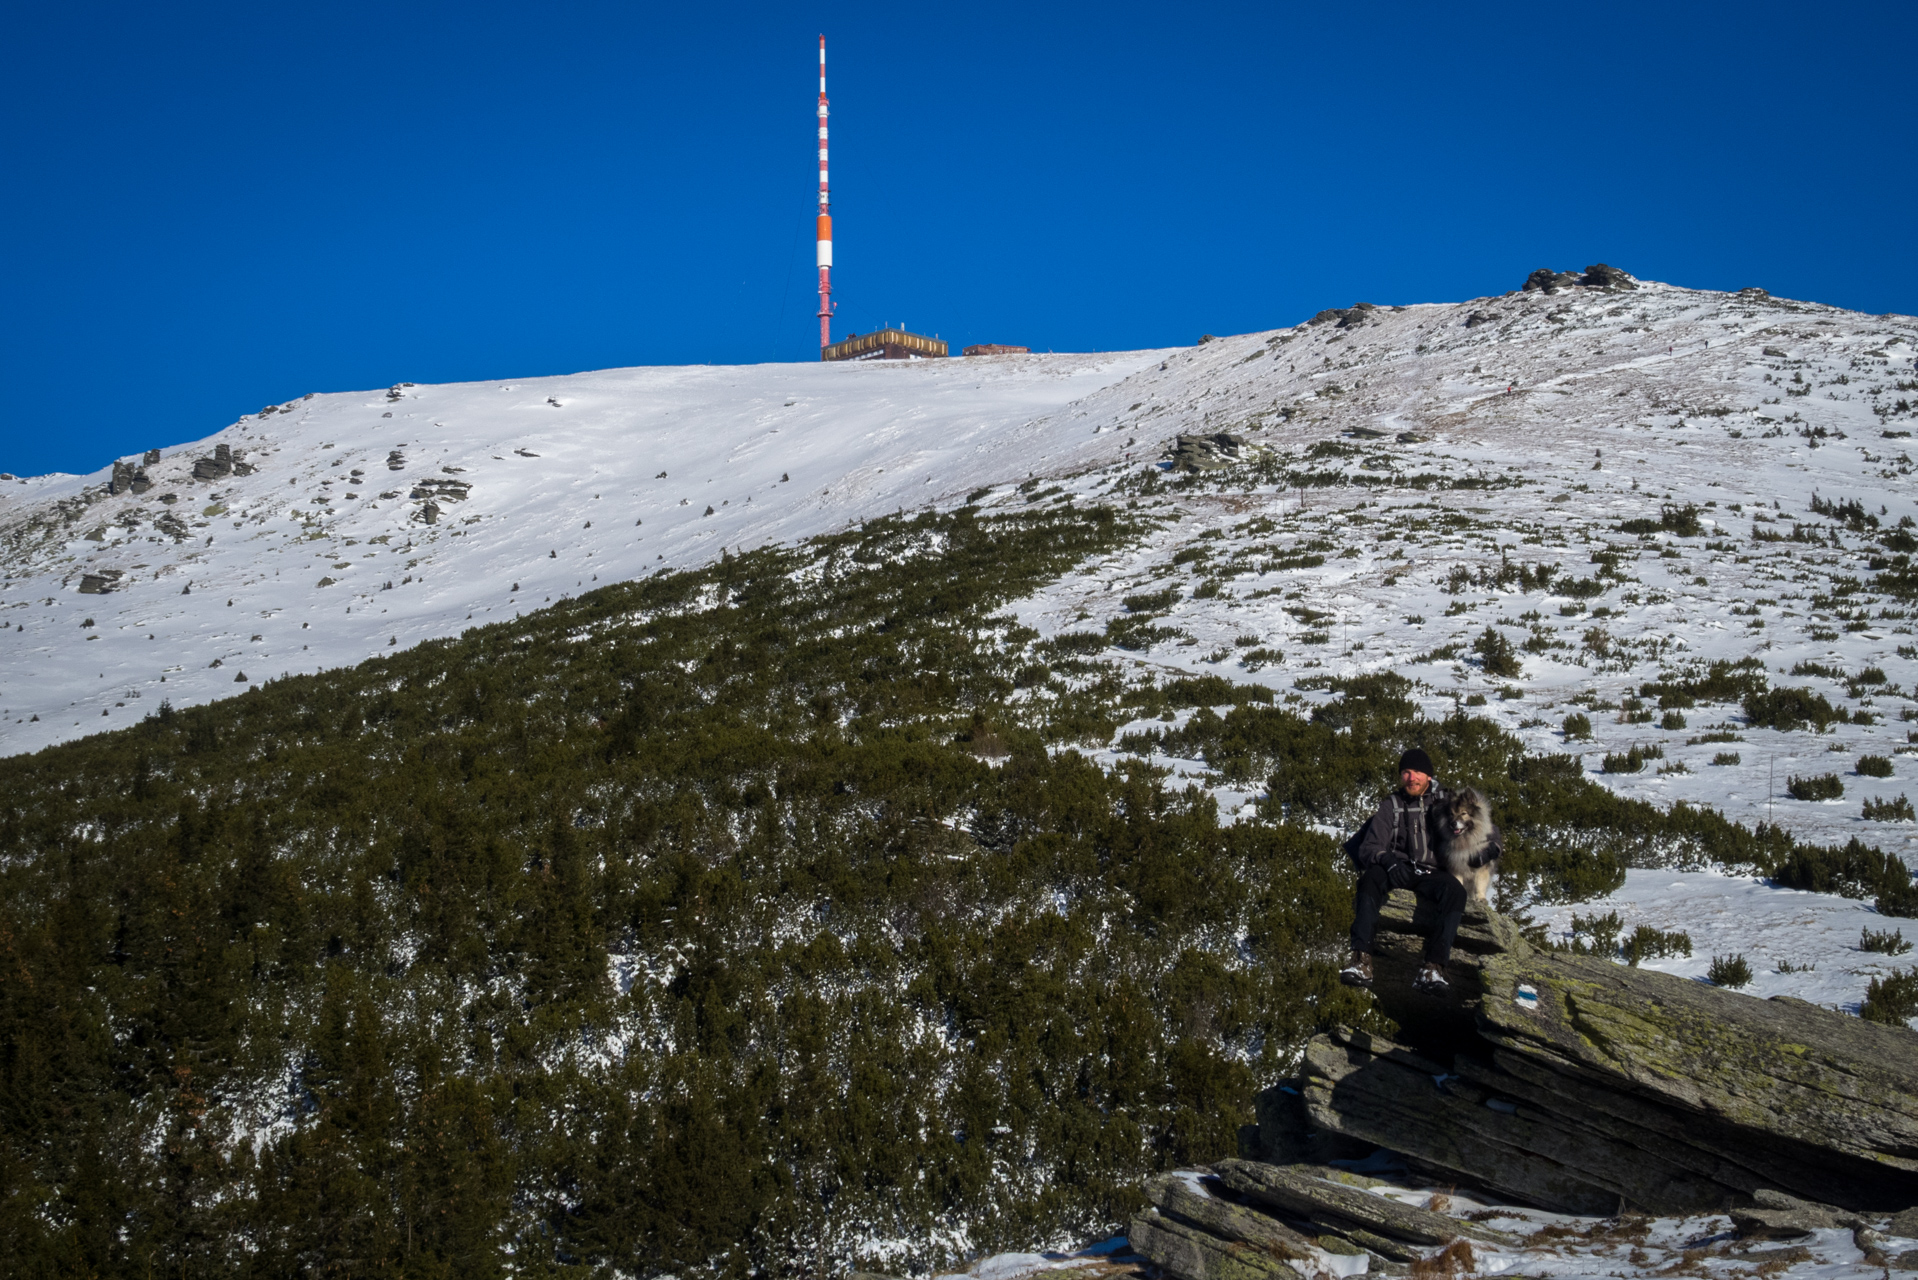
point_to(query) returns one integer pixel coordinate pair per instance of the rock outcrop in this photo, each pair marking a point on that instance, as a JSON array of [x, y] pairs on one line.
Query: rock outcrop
[[1578, 1084], [1568, 1083], [1597, 276], [217, 467], [1206, 453], [1245, 1220]]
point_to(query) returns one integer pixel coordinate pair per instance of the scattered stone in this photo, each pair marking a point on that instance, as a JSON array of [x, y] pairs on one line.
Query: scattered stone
[[1777, 353], [1478, 318], [98, 584], [442, 490], [122, 480], [1904, 1224], [151, 457], [1753, 293]]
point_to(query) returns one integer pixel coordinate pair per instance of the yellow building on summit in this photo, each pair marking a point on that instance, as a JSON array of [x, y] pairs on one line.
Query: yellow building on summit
[[885, 344]]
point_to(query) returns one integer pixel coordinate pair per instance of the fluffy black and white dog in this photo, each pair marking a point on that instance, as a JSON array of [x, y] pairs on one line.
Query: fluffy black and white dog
[[1469, 842]]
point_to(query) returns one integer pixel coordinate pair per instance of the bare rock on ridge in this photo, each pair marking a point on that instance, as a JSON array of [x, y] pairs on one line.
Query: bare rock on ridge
[[1577, 1084]]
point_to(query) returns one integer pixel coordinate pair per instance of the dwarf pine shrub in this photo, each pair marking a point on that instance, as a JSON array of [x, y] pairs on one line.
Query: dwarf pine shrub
[[1789, 709], [1647, 943], [1885, 942], [1892, 1000], [1823, 786], [1729, 971], [1497, 655], [1898, 810]]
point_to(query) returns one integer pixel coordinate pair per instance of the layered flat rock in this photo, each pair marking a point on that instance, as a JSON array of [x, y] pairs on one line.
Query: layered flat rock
[[1585, 1086], [1806, 1078]]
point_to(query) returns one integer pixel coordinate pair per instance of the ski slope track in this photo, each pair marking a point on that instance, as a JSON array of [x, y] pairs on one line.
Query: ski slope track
[[1453, 438]]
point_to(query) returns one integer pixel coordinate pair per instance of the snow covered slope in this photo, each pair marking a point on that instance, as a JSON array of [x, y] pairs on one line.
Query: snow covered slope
[[1407, 473], [320, 558]]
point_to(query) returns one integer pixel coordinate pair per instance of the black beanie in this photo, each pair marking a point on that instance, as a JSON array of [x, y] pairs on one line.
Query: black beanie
[[1417, 759]]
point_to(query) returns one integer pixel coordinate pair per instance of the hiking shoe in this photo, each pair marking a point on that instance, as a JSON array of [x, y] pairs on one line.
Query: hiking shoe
[[1431, 981], [1359, 972]]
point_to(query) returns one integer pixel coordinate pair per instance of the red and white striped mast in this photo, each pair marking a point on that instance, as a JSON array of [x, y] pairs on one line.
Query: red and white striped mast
[[825, 217]]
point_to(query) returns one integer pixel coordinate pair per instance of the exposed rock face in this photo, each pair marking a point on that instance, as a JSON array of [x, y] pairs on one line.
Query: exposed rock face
[[1346, 317], [217, 467], [1253, 1221], [97, 584], [1596, 276], [1601, 276], [1577, 1084], [1546, 280], [1566, 1082], [1206, 453]]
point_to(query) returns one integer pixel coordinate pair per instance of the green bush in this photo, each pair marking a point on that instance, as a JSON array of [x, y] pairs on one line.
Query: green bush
[[1152, 602], [1888, 942], [1790, 709], [1631, 761], [1578, 727], [1823, 786], [1855, 870], [1672, 720], [870, 970], [1496, 655], [1722, 681], [1892, 1000], [1602, 932], [1729, 971], [1898, 810], [1647, 943], [1726, 757], [1873, 766]]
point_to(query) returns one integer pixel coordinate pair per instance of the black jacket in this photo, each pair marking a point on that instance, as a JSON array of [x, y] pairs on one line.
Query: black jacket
[[1405, 829]]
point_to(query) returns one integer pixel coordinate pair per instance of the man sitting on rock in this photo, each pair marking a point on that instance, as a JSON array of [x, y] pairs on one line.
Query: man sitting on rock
[[1398, 849]]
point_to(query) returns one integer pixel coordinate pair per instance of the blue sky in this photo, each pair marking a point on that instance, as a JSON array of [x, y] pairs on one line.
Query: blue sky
[[210, 207]]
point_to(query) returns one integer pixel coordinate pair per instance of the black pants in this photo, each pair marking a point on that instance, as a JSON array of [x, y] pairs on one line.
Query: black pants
[[1444, 892]]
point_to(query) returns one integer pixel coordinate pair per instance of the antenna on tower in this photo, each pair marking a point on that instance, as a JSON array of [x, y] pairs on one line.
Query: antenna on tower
[[825, 218]]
